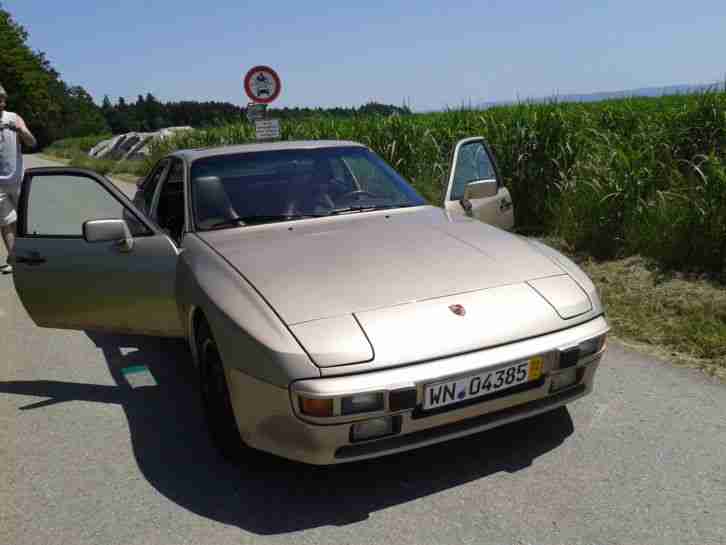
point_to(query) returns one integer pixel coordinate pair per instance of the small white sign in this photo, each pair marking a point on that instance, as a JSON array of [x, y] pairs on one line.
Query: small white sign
[[256, 111], [267, 129]]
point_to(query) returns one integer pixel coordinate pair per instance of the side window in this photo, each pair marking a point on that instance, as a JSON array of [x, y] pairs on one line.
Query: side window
[[59, 204], [472, 163], [150, 186], [170, 208]]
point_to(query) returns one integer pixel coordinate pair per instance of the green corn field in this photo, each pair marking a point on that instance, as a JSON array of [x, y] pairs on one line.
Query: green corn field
[[642, 176]]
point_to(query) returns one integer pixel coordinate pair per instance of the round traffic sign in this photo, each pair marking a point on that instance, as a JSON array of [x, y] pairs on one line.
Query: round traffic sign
[[262, 84]]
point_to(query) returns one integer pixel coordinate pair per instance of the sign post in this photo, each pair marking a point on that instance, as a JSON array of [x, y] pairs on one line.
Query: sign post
[[262, 85]]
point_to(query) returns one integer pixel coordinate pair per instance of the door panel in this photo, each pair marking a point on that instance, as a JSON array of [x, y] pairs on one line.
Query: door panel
[[66, 282], [96, 286], [497, 210], [472, 161]]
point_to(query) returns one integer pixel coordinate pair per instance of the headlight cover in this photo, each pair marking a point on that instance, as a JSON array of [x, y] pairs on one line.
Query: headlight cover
[[564, 294], [334, 341], [571, 268]]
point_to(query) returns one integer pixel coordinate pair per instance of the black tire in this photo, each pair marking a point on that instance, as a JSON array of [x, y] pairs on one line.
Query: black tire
[[216, 401]]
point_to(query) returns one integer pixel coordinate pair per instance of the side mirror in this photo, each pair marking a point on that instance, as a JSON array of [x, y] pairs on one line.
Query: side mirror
[[480, 189], [109, 230]]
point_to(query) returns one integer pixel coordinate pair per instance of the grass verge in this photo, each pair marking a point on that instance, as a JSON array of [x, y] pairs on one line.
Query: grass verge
[[125, 171], [674, 316], [679, 318]]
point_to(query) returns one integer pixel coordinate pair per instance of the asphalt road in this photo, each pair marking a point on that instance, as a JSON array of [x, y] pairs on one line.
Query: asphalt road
[[86, 459]]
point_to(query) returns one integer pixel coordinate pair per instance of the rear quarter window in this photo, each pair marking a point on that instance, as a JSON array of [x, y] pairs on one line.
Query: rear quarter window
[[149, 186]]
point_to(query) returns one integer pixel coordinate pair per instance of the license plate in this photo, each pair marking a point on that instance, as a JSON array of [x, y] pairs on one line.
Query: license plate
[[461, 389]]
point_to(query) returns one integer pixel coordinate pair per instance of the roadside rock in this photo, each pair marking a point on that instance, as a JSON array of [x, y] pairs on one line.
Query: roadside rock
[[131, 145]]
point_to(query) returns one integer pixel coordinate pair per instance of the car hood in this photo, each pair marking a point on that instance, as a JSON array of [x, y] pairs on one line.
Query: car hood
[[343, 265]]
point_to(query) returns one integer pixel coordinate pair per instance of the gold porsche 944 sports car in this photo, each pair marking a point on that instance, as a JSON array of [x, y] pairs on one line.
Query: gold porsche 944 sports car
[[333, 315]]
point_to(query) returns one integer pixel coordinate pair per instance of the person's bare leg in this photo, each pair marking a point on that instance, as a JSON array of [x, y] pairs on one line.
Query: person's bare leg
[[8, 234]]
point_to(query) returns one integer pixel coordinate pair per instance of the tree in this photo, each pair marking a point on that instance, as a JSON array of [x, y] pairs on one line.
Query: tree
[[126, 121], [35, 90], [81, 116]]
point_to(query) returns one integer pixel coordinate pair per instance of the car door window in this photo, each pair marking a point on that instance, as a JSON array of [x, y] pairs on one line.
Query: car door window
[[170, 206], [58, 205], [149, 187], [472, 163]]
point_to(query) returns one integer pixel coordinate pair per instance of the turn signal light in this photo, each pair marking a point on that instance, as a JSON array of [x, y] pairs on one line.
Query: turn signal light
[[316, 407], [592, 346]]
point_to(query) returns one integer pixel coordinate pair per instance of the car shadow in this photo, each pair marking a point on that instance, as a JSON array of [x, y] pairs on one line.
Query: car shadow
[[267, 494]]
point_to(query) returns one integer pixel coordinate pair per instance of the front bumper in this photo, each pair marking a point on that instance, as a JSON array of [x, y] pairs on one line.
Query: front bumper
[[268, 418]]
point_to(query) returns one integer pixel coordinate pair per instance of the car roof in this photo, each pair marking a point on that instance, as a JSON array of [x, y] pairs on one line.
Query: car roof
[[199, 153]]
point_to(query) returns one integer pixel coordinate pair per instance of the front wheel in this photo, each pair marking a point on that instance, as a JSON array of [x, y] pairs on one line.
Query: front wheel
[[216, 400]]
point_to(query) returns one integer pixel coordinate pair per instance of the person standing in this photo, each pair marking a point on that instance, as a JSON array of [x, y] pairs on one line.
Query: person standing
[[12, 130]]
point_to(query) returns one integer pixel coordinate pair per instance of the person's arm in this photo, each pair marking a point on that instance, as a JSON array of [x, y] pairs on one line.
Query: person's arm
[[22, 129]]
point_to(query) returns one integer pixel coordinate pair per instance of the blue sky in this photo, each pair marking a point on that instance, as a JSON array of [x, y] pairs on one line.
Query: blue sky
[[429, 54]]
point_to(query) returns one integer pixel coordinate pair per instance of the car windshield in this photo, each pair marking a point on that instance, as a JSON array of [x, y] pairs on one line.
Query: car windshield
[[261, 187]]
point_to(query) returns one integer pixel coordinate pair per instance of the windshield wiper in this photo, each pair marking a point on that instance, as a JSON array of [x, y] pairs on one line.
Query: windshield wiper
[[246, 220], [254, 219], [371, 207]]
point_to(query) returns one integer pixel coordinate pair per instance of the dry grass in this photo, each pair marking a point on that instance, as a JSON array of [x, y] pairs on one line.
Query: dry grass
[[678, 317], [681, 319]]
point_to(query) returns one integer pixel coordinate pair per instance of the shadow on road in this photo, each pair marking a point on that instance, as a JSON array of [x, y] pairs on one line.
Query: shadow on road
[[269, 495]]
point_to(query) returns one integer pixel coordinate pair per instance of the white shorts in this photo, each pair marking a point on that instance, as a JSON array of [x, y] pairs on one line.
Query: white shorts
[[8, 203]]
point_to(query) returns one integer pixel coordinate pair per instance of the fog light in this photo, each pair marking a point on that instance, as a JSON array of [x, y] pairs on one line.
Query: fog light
[[362, 403], [563, 379], [316, 407], [370, 429]]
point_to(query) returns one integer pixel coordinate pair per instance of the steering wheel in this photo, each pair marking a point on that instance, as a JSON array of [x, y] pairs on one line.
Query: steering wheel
[[358, 192]]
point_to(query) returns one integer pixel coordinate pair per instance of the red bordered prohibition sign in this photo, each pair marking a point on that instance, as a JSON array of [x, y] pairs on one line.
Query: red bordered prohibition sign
[[262, 84]]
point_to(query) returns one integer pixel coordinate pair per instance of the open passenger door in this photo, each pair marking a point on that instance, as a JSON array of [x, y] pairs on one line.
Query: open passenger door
[[86, 258], [475, 187]]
